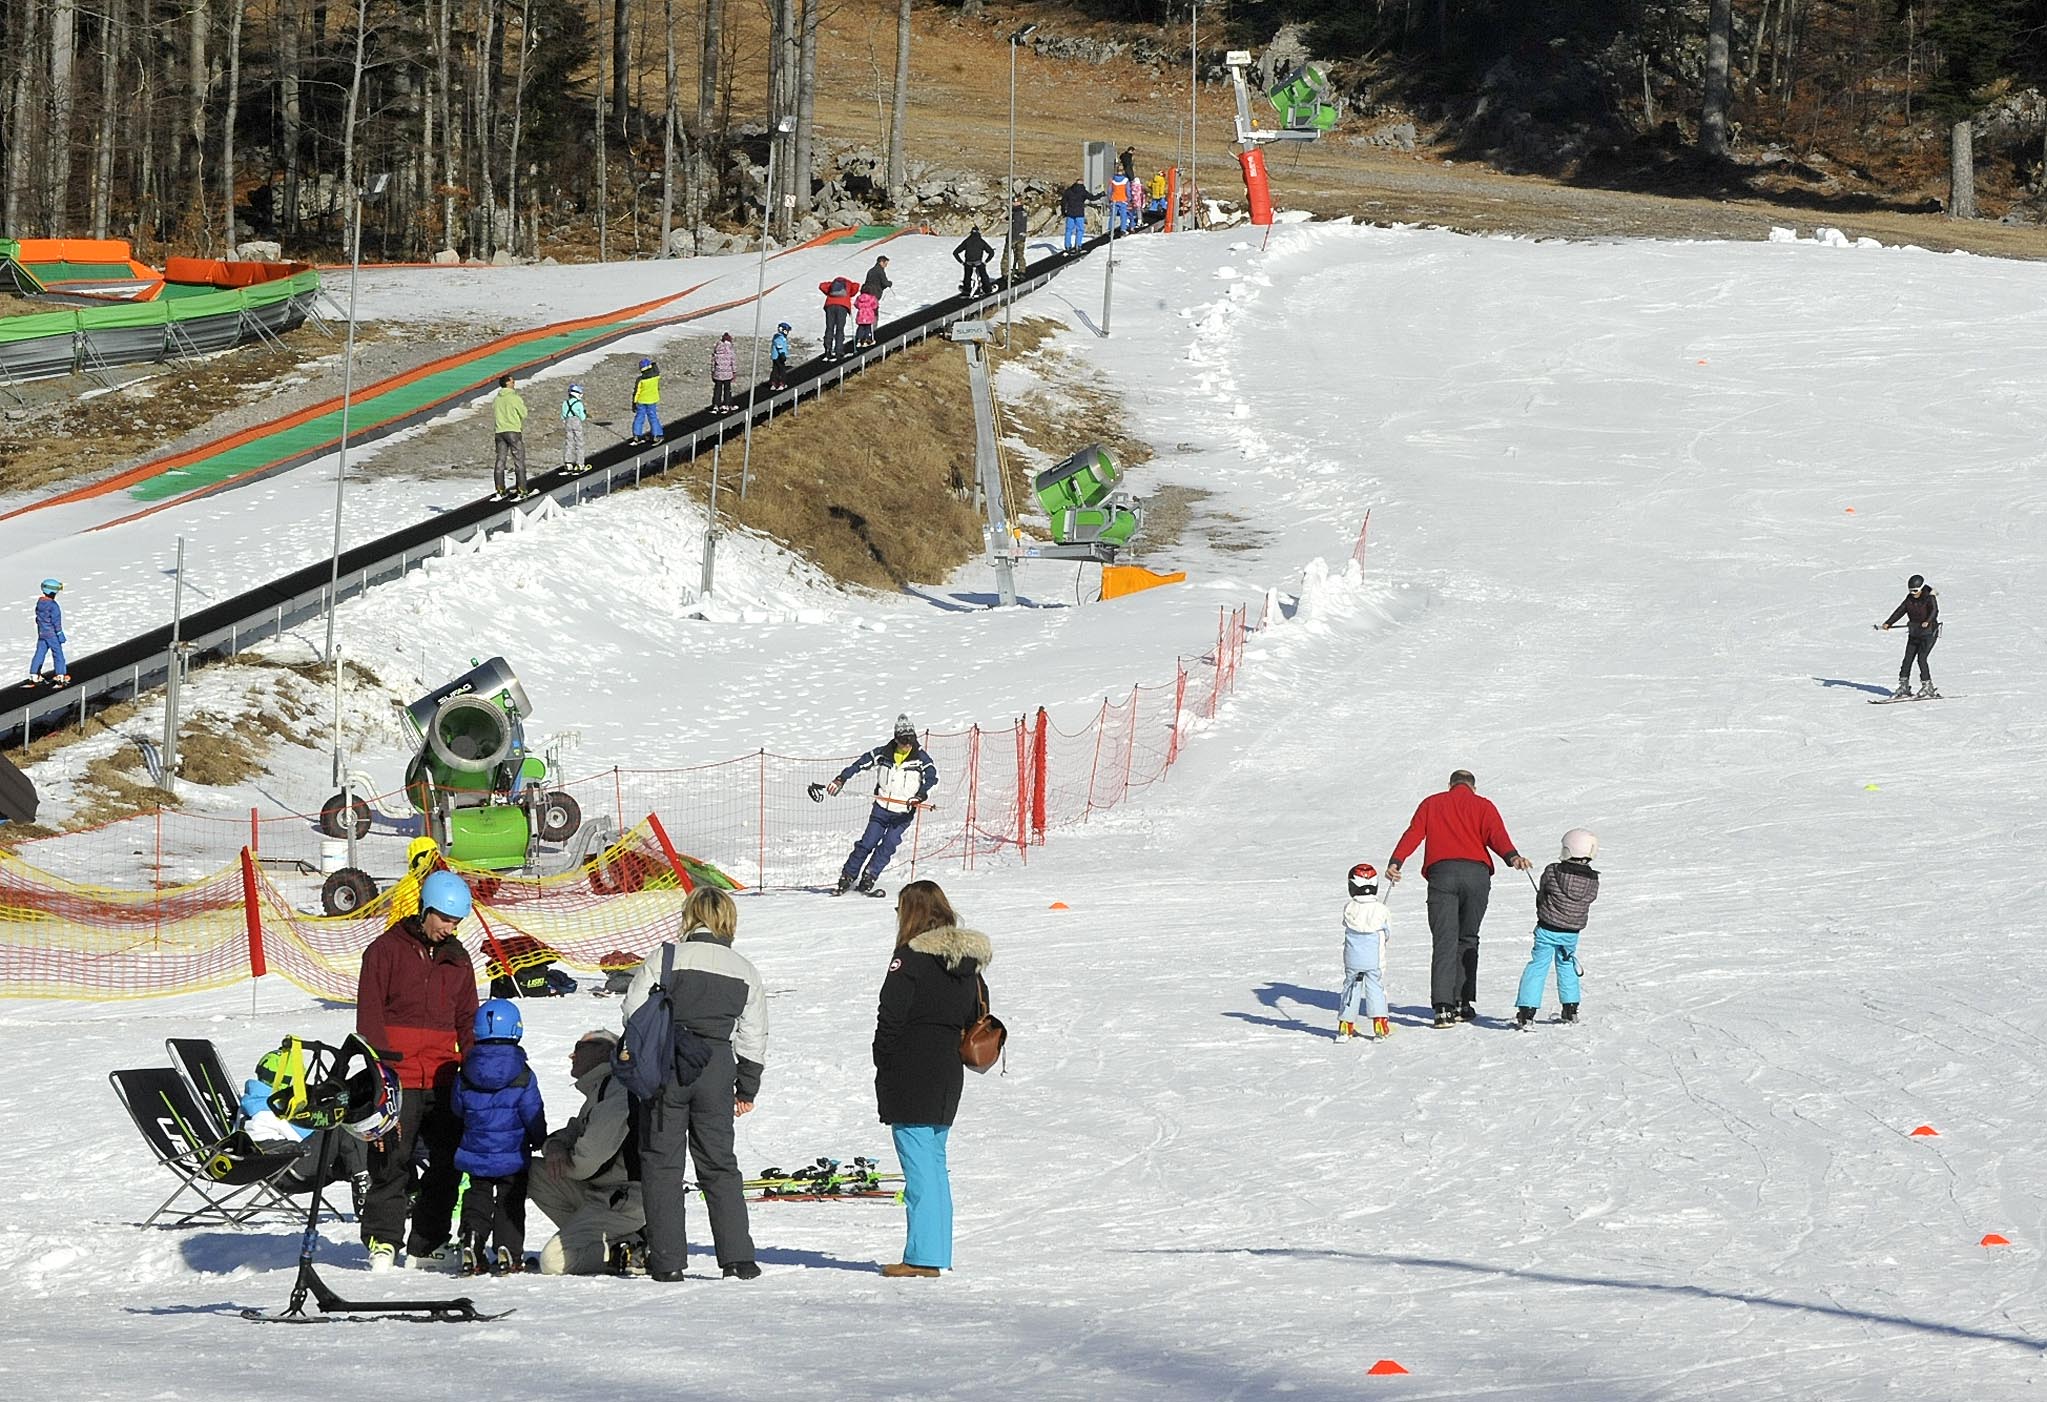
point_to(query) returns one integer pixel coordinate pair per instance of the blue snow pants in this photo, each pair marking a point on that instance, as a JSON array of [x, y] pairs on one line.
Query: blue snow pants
[[1551, 947], [1076, 231], [646, 421], [927, 1194], [1362, 988], [871, 853], [54, 649]]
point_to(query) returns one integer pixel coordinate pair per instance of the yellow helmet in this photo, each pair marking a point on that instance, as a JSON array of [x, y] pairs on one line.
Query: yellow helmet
[[421, 854]]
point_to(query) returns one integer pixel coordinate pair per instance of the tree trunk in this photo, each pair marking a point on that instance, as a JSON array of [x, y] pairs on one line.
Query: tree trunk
[[1961, 203], [290, 55], [227, 130], [351, 210], [57, 177], [603, 171], [20, 117], [621, 58], [484, 101], [199, 87], [806, 108], [898, 172], [451, 133], [668, 129], [707, 75], [103, 147], [1713, 112], [518, 120]]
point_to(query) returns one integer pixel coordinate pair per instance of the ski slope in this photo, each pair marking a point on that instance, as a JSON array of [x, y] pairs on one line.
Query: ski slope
[[1635, 507]]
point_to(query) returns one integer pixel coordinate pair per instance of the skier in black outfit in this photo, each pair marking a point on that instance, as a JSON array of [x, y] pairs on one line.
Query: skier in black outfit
[[972, 254], [877, 280], [1921, 612]]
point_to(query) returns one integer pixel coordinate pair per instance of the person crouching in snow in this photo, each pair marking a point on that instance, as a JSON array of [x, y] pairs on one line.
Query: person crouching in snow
[[778, 358], [866, 311], [1365, 927], [1563, 902], [498, 1101], [724, 369], [49, 636], [904, 777]]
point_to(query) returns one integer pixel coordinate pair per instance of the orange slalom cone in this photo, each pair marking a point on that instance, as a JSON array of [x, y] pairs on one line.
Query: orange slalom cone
[[1994, 1240], [1925, 1132], [1059, 905], [1383, 1368]]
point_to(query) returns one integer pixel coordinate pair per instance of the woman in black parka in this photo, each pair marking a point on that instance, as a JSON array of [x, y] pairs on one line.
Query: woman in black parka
[[932, 992]]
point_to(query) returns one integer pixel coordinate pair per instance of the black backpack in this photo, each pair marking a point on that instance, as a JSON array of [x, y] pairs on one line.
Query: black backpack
[[657, 1051]]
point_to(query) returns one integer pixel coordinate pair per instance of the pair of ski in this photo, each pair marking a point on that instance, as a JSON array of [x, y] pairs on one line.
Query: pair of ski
[[1896, 700], [826, 1179]]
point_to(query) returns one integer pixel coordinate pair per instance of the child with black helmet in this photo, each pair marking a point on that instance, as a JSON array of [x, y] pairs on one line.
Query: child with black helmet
[[1563, 903], [1365, 926], [498, 1102], [1921, 611], [778, 353]]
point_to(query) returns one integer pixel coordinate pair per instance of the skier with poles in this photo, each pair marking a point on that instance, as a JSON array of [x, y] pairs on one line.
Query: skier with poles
[[904, 777], [1920, 609], [1365, 928]]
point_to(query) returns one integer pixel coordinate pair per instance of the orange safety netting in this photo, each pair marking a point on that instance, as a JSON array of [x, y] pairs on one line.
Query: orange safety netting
[[1001, 790]]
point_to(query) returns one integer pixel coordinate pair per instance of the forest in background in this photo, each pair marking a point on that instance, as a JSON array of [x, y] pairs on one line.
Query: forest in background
[[193, 125]]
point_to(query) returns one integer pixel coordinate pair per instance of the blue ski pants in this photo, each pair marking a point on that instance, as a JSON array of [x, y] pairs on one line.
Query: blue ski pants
[[927, 1194], [1551, 947], [1362, 987], [1076, 231], [871, 853], [646, 421], [55, 651]]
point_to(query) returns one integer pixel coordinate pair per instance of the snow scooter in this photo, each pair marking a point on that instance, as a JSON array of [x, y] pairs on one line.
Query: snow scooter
[[349, 1087]]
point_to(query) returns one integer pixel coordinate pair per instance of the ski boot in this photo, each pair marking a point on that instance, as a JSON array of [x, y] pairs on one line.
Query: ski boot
[[1926, 692], [1381, 1029], [1523, 1016], [742, 1270], [1446, 1016], [1570, 1012], [503, 1262], [1466, 1013], [1345, 1031], [845, 885], [627, 1256], [476, 1258], [383, 1256], [1904, 691]]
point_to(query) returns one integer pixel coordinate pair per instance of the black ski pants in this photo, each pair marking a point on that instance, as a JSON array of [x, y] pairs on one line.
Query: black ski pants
[[1917, 646], [495, 1208], [835, 331], [693, 1122], [1458, 892], [424, 1120], [975, 274]]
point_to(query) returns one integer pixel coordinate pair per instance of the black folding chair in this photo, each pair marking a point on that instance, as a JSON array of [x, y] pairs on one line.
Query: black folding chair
[[228, 1174], [198, 1061]]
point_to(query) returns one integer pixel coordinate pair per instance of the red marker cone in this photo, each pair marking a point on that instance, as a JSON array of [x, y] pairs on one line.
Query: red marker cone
[[1994, 1240], [1059, 905], [1383, 1367], [1925, 1132]]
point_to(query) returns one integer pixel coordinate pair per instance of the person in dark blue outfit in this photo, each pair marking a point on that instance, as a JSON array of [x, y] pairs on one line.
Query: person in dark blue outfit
[[904, 777], [49, 636], [498, 1102]]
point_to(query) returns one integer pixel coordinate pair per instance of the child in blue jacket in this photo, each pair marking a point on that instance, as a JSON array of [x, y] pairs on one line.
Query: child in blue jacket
[[497, 1100], [49, 636], [778, 350]]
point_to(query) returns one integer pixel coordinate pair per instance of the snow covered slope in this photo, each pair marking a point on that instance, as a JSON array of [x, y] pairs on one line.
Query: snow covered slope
[[1614, 569]]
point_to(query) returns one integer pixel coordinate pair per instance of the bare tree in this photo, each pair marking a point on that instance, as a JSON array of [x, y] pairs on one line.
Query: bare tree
[[668, 128], [199, 87], [621, 58], [898, 173], [57, 144], [1713, 111], [707, 74], [20, 119], [353, 210], [451, 132], [518, 118], [806, 107], [290, 101], [227, 129], [103, 152]]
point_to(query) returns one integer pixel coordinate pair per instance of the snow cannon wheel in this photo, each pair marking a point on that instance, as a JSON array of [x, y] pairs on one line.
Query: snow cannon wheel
[[347, 891], [337, 814], [557, 817]]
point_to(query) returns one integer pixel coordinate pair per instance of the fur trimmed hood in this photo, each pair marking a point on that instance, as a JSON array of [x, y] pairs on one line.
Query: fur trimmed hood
[[953, 945]]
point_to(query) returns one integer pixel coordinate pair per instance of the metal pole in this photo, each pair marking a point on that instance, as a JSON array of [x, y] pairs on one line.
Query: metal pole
[[341, 470], [711, 528], [1193, 114], [1008, 253], [1109, 269], [759, 293], [170, 701]]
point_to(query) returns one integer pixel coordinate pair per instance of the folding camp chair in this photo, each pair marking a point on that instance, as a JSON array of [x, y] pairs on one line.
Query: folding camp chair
[[228, 1174], [199, 1062]]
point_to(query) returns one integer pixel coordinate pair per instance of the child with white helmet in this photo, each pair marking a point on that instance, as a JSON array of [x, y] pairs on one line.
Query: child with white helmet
[[1563, 903], [573, 416], [49, 637], [1365, 926]]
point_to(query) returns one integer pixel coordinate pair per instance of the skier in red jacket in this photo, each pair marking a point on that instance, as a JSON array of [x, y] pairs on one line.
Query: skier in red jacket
[[838, 305], [416, 1004], [1460, 829]]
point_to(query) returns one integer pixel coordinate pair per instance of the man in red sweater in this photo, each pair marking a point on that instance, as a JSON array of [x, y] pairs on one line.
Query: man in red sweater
[[1459, 828], [416, 1004]]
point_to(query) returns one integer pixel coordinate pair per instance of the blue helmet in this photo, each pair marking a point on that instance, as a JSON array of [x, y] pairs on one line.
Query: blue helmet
[[646, 364], [52, 586], [447, 893], [499, 1019], [785, 326]]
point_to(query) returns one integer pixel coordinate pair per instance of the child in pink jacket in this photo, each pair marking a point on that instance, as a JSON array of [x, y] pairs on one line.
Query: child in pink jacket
[[866, 310]]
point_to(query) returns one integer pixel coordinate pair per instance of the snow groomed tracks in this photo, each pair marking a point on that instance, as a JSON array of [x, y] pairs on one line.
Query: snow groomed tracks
[[268, 610]]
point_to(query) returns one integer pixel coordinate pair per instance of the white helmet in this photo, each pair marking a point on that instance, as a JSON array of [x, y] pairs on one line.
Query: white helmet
[[1580, 845]]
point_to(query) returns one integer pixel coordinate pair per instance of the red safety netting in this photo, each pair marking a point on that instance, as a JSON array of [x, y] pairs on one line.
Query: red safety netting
[[228, 895]]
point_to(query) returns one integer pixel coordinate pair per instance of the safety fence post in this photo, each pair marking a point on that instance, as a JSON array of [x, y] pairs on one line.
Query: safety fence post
[[1357, 551], [1095, 764], [1179, 696], [1038, 767], [1215, 694], [1130, 750], [617, 799], [253, 914], [668, 851], [760, 864], [255, 831], [973, 788], [1023, 789]]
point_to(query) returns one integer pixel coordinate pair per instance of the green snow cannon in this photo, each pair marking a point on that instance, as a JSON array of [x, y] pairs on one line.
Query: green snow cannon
[[1085, 479], [1302, 100], [495, 837], [473, 738], [1112, 524]]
